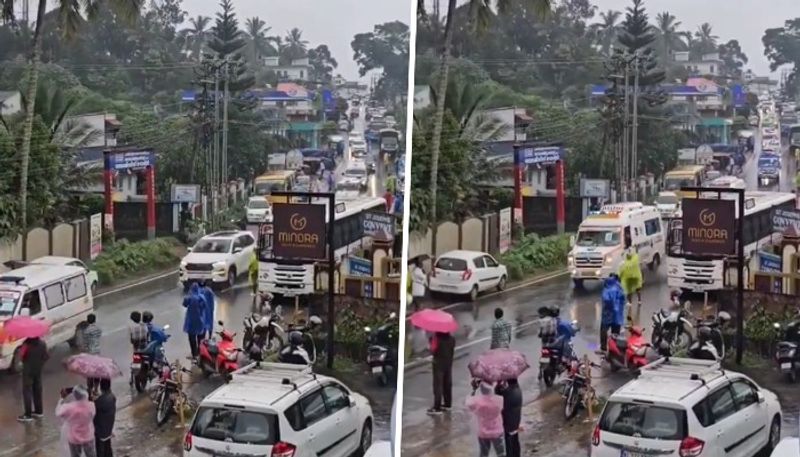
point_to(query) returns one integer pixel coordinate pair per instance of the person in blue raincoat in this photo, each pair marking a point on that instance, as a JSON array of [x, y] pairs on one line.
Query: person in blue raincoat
[[613, 298], [193, 320], [210, 308]]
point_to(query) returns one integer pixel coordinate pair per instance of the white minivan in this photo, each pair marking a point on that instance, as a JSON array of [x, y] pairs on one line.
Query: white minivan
[[60, 294]]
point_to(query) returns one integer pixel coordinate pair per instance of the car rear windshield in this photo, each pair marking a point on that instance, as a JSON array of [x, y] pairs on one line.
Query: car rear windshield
[[450, 264], [644, 421], [235, 426]]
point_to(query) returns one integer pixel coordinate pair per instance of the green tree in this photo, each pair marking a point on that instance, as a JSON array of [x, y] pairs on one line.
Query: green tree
[[782, 47], [669, 37], [227, 43], [70, 13], [607, 30], [258, 44], [734, 59], [705, 42], [385, 48], [197, 35], [294, 46], [322, 64], [637, 38]]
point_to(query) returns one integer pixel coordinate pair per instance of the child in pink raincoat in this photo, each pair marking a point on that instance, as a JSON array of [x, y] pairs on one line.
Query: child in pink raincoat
[[488, 408], [77, 431]]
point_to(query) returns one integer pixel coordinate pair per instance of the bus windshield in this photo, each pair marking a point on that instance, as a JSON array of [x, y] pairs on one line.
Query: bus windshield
[[598, 238], [795, 138], [268, 187], [677, 183], [668, 200], [768, 162], [389, 142]]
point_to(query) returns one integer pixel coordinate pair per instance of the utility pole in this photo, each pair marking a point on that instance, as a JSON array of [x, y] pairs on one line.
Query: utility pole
[[626, 136], [635, 138], [225, 136], [215, 154]]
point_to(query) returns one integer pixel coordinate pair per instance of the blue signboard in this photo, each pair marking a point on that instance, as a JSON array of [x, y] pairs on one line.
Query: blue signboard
[[361, 267], [739, 96], [544, 155], [327, 100], [134, 160], [771, 263], [398, 204]]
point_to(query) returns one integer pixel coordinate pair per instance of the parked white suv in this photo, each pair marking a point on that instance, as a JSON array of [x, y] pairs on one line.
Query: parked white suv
[[688, 408], [280, 410], [219, 258], [467, 273]]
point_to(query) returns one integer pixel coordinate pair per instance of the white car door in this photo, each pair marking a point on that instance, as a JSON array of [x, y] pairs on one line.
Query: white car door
[[479, 274], [726, 425], [756, 421], [493, 270], [343, 420], [318, 432], [248, 247]]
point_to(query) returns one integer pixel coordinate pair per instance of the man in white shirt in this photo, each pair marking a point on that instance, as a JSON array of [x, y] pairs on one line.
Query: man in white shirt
[[418, 283]]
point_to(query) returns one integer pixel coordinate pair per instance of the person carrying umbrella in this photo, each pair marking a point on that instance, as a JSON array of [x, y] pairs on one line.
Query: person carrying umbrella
[[33, 353], [193, 320], [443, 349], [613, 299], [487, 408], [77, 412]]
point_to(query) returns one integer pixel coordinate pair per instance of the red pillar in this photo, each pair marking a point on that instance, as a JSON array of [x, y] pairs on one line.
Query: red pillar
[[108, 191], [560, 209], [151, 201]]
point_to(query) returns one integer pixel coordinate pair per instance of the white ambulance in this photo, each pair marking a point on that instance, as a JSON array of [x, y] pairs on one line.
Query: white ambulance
[[604, 238]]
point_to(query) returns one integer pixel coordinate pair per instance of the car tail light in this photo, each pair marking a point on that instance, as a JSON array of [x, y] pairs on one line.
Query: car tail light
[[545, 352], [187, 441], [467, 274], [596, 435], [283, 449], [691, 447], [137, 358]]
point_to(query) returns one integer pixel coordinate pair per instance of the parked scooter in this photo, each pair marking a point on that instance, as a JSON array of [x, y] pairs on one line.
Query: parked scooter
[[382, 350], [628, 352], [787, 355], [555, 358], [263, 334], [710, 343], [220, 356], [673, 327], [297, 351], [148, 363]]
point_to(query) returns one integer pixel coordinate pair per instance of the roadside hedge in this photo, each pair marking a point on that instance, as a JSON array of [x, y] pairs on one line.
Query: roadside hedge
[[123, 258], [533, 254]]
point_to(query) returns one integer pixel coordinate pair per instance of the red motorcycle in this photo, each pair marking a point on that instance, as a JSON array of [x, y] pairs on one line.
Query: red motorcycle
[[627, 352], [220, 356]]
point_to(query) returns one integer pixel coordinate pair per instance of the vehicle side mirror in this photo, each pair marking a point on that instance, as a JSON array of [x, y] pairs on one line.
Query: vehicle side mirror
[[237, 250], [189, 249], [761, 397], [353, 401], [220, 323]]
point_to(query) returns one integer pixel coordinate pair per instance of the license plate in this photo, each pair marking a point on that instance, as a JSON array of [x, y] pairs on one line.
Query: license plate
[[136, 366], [377, 370], [625, 453], [786, 366], [544, 360]]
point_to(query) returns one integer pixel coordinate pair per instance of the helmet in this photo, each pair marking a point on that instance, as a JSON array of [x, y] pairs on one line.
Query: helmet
[[314, 320], [703, 333], [724, 317], [147, 317], [295, 338]]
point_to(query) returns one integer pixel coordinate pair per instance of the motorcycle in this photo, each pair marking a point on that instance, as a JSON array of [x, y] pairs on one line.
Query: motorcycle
[[577, 387], [219, 356], [554, 358], [673, 328], [710, 344], [169, 393], [629, 352], [786, 355], [382, 350], [147, 364], [263, 334]]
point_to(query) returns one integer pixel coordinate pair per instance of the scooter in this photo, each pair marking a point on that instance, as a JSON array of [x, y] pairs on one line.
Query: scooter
[[786, 355], [382, 350], [219, 356], [263, 334], [710, 344], [148, 363], [673, 328], [629, 352]]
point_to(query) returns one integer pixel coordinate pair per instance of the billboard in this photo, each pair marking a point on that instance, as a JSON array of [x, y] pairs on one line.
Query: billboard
[[375, 223], [96, 235], [708, 226], [299, 231], [361, 267], [783, 219], [505, 229], [133, 160]]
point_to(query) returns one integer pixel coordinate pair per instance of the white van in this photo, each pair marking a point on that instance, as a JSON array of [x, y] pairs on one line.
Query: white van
[[603, 239], [59, 294]]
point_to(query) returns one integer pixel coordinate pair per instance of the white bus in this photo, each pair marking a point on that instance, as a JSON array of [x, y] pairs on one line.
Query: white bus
[[727, 182], [297, 277], [696, 274]]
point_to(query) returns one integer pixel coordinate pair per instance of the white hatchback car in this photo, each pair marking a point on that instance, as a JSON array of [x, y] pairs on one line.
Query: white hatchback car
[[258, 210], [218, 258], [467, 273], [91, 275], [280, 410], [688, 408]]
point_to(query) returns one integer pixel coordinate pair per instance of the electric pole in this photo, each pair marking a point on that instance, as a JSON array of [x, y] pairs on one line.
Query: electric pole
[[225, 135], [626, 135], [635, 138], [215, 154]]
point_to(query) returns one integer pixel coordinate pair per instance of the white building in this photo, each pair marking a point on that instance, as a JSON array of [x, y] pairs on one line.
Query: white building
[[298, 70], [422, 97], [10, 102], [515, 122], [708, 65]]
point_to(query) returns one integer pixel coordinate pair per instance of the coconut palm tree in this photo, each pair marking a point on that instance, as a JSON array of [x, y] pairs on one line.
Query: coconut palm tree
[[706, 41], [71, 17], [257, 40], [607, 29], [295, 46], [671, 39], [478, 8], [197, 35]]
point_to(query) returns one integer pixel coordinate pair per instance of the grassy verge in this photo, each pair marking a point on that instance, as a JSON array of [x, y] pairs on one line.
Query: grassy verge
[[122, 259], [533, 255]]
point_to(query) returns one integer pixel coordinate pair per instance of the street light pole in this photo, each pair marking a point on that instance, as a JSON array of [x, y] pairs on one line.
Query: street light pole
[[225, 135], [634, 140], [625, 136], [215, 154]]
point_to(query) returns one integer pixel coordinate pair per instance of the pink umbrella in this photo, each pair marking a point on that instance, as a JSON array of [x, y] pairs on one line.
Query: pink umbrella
[[19, 327], [434, 320], [92, 366], [498, 365]]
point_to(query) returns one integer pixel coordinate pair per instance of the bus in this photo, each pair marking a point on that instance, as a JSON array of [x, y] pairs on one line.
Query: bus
[[390, 140], [684, 176], [727, 182], [698, 274], [794, 137], [292, 277], [274, 181]]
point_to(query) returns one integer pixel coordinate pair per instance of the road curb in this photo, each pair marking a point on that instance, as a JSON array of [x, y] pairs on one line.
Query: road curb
[[153, 284]]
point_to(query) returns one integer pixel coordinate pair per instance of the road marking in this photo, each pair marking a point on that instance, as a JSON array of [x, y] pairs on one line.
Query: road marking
[[136, 284]]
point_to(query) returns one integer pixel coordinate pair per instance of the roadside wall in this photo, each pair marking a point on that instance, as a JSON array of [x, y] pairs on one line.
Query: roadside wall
[[69, 239], [473, 234]]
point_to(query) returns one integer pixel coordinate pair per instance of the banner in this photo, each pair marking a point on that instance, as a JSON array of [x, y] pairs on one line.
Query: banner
[[773, 264], [375, 223], [708, 226], [505, 229], [96, 235], [299, 231], [783, 219], [361, 267]]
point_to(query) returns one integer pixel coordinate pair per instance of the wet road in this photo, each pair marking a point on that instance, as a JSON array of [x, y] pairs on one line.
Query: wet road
[[135, 431], [454, 433]]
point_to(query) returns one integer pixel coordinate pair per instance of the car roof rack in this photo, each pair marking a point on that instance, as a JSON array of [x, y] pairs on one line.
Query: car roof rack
[[683, 368], [17, 280], [285, 374]]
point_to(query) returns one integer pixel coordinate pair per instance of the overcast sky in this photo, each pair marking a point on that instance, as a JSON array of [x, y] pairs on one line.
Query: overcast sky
[[331, 22], [744, 20]]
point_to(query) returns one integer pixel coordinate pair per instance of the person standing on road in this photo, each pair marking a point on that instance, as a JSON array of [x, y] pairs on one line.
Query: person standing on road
[[91, 345], [512, 415], [501, 331], [442, 348], [193, 321], [630, 274], [419, 280], [252, 271], [33, 354], [613, 309], [487, 408], [105, 413], [77, 412], [210, 308]]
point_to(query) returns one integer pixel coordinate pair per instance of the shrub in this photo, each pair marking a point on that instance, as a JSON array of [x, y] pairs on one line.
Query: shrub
[[533, 253], [123, 258]]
